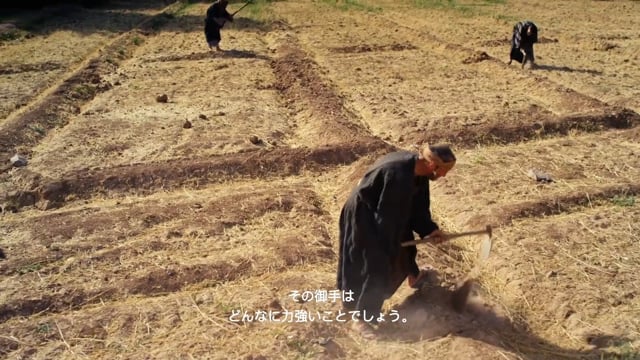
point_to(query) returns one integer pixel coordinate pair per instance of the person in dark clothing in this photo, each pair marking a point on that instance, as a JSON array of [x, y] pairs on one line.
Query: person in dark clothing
[[385, 208], [525, 34], [217, 16]]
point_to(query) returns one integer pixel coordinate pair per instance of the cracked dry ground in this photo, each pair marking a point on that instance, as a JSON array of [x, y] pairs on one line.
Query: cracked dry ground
[[131, 236]]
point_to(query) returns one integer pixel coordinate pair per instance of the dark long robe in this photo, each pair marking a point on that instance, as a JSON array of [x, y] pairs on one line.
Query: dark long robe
[[217, 15], [386, 207], [520, 41]]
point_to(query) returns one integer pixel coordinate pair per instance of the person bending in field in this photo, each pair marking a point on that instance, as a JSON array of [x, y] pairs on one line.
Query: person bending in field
[[525, 34], [383, 210], [217, 16]]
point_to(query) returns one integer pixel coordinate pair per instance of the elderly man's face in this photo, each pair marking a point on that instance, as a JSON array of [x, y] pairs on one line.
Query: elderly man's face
[[431, 166], [437, 173]]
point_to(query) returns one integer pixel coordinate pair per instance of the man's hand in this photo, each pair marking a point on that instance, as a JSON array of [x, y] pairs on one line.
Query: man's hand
[[437, 237]]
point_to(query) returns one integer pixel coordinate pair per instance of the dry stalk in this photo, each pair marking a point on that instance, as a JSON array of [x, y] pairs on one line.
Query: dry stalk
[[205, 316], [62, 338]]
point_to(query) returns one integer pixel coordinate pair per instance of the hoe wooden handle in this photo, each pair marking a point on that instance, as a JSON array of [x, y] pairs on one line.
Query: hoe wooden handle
[[243, 6], [448, 237]]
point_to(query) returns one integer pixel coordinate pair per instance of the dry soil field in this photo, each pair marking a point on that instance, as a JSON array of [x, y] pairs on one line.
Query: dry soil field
[[143, 228]]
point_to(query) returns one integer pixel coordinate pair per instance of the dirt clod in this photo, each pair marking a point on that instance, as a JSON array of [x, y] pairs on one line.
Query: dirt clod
[[18, 160], [255, 357], [254, 139], [275, 305], [539, 176], [476, 58]]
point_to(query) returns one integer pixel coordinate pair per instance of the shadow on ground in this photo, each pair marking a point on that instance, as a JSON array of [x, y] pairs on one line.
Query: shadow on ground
[[121, 17], [75, 18], [429, 315], [231, 53], [567, 69], [240, 54], [15, 6]]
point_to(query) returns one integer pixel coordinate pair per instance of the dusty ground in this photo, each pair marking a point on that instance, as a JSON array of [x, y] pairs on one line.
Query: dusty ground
[[131, 235]]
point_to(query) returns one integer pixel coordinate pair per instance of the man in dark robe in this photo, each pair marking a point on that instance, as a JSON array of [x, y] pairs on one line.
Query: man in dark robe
[[386, 207], [217, 16], [525, 34]]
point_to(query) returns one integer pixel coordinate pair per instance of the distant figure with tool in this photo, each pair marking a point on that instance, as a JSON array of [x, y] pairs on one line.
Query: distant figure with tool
[[390, 203], [217, 16], [525, 34]]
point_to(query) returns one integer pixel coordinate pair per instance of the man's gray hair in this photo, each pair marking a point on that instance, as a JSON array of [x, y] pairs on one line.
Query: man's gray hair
[[444, 152]]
